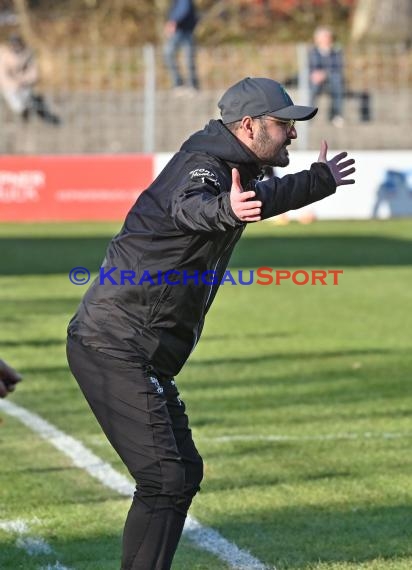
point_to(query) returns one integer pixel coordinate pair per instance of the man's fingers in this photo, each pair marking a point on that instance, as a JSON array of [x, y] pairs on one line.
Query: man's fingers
[[241, 202], [323, 151], [346, 163], [339, 157], [342, 174], [347, 172], [245, 196], [341, 168], [251, 212], [245, 204], [252, 219], [236, 185], [246, 209]]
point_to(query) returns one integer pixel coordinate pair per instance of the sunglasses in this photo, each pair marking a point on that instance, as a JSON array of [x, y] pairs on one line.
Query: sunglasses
[[289, 124]]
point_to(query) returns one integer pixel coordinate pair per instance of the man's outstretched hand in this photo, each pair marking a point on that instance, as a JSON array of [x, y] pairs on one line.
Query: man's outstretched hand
[[244, 207], [340, 170], [249, 210]]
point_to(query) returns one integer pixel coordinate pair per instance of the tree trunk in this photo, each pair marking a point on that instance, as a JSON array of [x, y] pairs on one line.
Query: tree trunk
[[161, 7], [33, 40], [382, 20], [26, 27]]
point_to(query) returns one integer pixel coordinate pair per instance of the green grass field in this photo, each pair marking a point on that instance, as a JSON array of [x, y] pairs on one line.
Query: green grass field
[[300, 400]]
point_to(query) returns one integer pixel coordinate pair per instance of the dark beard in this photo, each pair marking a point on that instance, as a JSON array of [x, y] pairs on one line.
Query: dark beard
[[263, 142], [281, 160]]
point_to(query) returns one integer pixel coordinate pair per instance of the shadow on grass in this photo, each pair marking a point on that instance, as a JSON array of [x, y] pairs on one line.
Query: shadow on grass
[[41, 256], [312, 385], [97, 552], [293, 356], [333, 251], [36, 343], [65, 306], [240, 335], [297, 538], [43, 371], [45, 256], [289, 539]]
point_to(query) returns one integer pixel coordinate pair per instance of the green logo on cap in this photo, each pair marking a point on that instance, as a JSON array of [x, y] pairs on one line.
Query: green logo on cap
[[285, 95]]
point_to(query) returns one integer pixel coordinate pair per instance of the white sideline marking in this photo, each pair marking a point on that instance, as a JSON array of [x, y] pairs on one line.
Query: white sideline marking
[[32, 545], [323, 437], [204, 537], [56, 566], [212, 541], [18, 526]]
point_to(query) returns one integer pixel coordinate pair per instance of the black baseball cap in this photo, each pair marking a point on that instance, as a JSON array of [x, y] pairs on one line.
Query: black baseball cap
[[256, 96]]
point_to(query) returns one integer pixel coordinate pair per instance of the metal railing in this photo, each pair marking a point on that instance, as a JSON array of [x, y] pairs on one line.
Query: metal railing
[[119, 100]]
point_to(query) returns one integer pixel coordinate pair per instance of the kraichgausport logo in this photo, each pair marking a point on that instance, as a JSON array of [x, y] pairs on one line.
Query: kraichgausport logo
[[260, 276]]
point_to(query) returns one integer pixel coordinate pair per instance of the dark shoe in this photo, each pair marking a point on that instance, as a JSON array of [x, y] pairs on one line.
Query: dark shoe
[[50, 118], [25, 115], [40, 107]]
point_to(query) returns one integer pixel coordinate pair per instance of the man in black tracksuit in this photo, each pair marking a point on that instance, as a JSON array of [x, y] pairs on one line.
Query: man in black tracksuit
[[144, 313]]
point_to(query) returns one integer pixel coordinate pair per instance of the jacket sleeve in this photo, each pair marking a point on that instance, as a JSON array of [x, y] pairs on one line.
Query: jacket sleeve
[[200, 206], [315, 61], [279, 195], [180, 10]]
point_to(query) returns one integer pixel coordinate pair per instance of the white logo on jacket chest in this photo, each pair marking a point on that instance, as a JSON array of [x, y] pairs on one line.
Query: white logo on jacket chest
[[205, 176]]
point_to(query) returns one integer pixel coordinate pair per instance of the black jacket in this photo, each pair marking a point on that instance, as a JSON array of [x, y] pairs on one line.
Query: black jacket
[[183, 12], [331, 62], [183, 223]]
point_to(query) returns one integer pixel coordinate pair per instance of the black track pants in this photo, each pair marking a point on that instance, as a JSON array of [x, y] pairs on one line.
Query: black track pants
[[146, 423]]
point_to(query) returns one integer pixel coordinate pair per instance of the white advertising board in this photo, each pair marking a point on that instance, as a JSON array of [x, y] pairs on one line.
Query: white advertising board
[[383, 187]]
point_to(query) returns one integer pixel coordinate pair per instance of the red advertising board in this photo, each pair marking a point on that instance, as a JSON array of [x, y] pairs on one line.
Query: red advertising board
[[71, 188]]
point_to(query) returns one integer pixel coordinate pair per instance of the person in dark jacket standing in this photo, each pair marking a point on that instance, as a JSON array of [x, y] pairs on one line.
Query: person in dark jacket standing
[[179, 31], [143, 315], [326, 73]]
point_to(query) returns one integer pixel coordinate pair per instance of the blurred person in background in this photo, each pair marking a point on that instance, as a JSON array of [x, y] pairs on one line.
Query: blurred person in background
[[18, 78], [8, 379], [127, 343], [179, 32], [326, 73]]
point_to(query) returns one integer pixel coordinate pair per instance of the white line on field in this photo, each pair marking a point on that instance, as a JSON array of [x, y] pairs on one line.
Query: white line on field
[[17, 526], [204, 537], [321, 437], [32, 545], [212, 541], [56, 566]]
